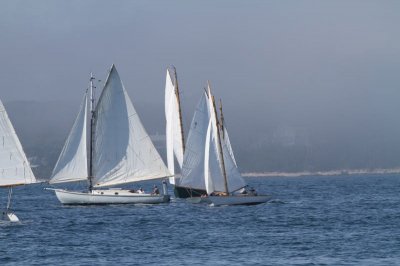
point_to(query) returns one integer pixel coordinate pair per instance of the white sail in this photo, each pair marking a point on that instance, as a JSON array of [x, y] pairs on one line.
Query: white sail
[[235, 179], [72, 162], [214, 180], [228, 145], [123, 151], [174, 138], [14, 166], [193, 161], [207, 175]]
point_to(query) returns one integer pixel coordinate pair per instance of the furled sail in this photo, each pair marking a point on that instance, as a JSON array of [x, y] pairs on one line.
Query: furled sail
[[174, 138], [14, 166], [72, 162], [123, 151], [193, 161]]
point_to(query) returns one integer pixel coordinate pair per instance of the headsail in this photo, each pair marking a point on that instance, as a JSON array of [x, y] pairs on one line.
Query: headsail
[[193, 162], [228, 145], [72, 162], [174, 131], [235, 179], [14, 166], [123, 151]]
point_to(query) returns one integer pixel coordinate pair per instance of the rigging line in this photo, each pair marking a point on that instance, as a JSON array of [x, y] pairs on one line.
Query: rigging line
[[9, 198]]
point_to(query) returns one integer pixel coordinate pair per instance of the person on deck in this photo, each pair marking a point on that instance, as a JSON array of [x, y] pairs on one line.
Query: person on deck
[[156, 191], [140, 191]]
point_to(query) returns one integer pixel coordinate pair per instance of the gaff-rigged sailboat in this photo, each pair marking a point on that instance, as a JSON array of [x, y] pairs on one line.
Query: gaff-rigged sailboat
[[190, 157], [224, 184], [120, 151], [14, 166]]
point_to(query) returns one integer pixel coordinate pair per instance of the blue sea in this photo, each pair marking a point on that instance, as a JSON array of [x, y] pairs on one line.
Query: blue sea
[[314, 220]]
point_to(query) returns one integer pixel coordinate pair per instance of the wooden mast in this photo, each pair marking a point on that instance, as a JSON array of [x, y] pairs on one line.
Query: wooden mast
[[222, 119], [221, 154], [91, 139]]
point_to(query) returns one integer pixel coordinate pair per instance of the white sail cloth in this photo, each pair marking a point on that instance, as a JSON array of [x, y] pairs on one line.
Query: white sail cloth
[[123, 151], [227, 143], [193, 161], [72, 162], [14, 166], [174, 137]]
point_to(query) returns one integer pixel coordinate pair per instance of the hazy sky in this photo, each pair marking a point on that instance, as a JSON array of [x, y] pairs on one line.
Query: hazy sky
[[330, 67]]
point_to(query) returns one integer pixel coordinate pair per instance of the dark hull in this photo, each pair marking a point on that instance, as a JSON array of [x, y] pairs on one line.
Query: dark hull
[[185, 192]]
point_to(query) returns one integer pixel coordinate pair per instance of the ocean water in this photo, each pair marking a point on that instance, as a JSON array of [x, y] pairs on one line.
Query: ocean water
[[337, 220]]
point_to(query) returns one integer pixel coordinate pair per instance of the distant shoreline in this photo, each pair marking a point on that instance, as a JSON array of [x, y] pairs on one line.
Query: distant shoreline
[[324, 173]]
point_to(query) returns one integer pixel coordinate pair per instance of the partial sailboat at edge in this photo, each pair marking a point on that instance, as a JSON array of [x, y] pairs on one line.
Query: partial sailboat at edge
[[15, 169]]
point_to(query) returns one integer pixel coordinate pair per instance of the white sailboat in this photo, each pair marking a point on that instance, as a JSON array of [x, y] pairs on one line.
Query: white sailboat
[[223, 181], [120, 151], [14, 166]]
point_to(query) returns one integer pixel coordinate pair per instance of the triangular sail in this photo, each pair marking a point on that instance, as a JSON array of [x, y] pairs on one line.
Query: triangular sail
[[72, 162], [123, 151], [228, 145], [14, 166], [174, 137], [235, 179], [193, 162]]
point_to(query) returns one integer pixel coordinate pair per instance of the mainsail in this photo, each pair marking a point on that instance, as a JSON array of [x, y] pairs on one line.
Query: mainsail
[[14, 166], [193, 161], [72, 162], [174, 132], [123, 151]]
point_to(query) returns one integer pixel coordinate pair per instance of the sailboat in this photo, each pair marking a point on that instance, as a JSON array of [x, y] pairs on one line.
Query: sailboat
[[119, 151], [14, 166], [223, 181]]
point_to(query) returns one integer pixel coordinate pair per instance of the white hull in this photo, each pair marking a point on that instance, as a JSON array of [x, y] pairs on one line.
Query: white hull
[[110, 196], [9, 217], [238, 200]]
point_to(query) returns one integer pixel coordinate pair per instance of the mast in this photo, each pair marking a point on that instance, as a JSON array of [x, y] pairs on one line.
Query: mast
[[91, 138], [222, 119], [219, 142], [179, 109]]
